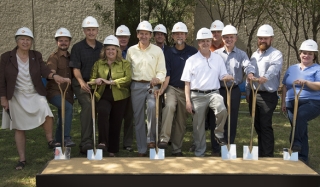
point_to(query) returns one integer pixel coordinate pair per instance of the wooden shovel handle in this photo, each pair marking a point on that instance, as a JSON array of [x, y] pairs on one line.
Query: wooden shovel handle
[[63, 112], [93, 113], [253, 110], [229, 108]]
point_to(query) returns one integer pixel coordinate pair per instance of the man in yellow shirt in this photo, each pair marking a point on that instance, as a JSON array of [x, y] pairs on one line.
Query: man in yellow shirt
[[148, 70]]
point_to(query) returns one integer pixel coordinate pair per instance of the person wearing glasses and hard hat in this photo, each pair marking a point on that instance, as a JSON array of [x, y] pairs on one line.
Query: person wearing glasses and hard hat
[[83, 55], [148, 71], [237, 63], [160, 33], [58, 62], [112, 75], [202, 73], [174, 114], [23, 95], [306, 73], [123, 34], [268, 63]]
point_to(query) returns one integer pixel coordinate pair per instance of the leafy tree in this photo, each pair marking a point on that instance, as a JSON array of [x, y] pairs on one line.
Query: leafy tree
[[130, 13]]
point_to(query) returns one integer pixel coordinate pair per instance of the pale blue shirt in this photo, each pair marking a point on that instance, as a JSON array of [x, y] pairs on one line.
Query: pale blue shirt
[[293, 73], [236, 62], [267, 64]]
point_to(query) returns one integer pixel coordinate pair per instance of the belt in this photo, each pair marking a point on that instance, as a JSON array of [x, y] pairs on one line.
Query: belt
[[205, 91], [180, 88], [142, 81]]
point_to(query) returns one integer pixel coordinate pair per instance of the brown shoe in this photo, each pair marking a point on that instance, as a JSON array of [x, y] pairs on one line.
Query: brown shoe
[[151, 145], [163, 145], [142, 154]]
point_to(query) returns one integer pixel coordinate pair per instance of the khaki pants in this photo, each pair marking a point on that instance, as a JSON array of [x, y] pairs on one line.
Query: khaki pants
[[200, 102], [174, 112]]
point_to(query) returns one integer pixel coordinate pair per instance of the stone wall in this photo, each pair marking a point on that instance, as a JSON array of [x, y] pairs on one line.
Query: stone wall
[[48, 16]]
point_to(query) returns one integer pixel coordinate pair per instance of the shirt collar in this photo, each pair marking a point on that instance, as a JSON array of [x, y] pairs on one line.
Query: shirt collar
[[59, 53]]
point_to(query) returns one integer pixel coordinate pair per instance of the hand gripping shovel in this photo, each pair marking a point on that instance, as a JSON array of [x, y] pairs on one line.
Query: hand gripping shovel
[[157, 153], [251, 152], [94, 154], [229, 152], [62, 153], [288, 154]]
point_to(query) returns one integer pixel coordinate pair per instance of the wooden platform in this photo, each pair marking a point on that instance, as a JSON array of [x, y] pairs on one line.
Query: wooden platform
[[180, 171]]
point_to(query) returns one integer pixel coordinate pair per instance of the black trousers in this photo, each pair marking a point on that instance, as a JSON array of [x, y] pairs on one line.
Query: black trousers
[[265, 105], [110, 115], [235, 104]]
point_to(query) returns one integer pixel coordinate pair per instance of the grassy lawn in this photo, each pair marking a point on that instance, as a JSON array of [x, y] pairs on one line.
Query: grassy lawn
[[38, 154]]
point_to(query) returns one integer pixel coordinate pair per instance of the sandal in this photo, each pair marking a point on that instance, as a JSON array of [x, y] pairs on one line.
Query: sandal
[[52, 144], [20, 165]]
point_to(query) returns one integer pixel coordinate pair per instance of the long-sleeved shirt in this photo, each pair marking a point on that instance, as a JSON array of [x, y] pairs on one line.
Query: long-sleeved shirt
[[268, 64], [236, 62], [147, 64], [120, 74]]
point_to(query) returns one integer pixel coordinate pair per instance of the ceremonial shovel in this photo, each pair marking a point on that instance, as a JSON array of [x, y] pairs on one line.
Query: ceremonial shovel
[[229, 152], [251, 152], [62, 153], [287, 153], [156, 153], [94, 154]]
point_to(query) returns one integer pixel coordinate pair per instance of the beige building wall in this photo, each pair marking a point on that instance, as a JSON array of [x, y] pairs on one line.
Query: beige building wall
[[47, 17]]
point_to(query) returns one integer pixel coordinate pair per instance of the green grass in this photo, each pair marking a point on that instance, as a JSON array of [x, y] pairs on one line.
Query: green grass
[[38, 154]]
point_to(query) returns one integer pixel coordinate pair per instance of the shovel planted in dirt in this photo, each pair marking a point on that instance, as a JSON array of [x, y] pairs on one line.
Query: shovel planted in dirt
[[157, 153], [62, 153], [251, 152], [229, 151], [94, 154], [288, 154]]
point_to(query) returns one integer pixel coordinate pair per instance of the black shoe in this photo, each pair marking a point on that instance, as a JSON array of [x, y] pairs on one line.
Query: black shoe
[[192, 148], [169, 143], [177, 154], [69, 143], [53, 144], [128, 148], [218, 154], [220, 141], [296, 148], [86, 147], [163, 145]]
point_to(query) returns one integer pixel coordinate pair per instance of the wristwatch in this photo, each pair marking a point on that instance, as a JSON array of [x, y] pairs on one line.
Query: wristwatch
[[53, 75]]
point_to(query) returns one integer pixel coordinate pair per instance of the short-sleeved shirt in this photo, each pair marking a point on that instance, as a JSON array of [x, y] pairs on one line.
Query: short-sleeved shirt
[[59, 63], [83, 57], [147, 64], [175, 62], [237, 62], [202, 73], [267, 64], [294, 72]]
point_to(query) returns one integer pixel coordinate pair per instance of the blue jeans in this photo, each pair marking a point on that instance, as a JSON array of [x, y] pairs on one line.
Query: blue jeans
[[56, 101], [307, 110]]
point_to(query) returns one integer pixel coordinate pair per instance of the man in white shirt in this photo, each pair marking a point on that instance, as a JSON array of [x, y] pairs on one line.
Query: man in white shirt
[[202, 75]]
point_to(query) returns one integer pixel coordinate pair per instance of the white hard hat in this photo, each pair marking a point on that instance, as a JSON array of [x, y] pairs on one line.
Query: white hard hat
[[265, 30], [123, 30], [90, 22], [111, 40], [160, 28], [204, 33], [62, 32], [309, 45], [179, 27], [24, 31], [229, 29], [145, 26], [217, 25]]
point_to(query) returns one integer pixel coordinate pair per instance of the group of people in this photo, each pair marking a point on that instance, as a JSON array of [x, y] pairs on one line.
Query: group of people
[[128, 80]]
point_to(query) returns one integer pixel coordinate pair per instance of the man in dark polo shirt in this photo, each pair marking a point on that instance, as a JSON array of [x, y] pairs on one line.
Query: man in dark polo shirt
[[83, 55], [175, 103], [58, 62]]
